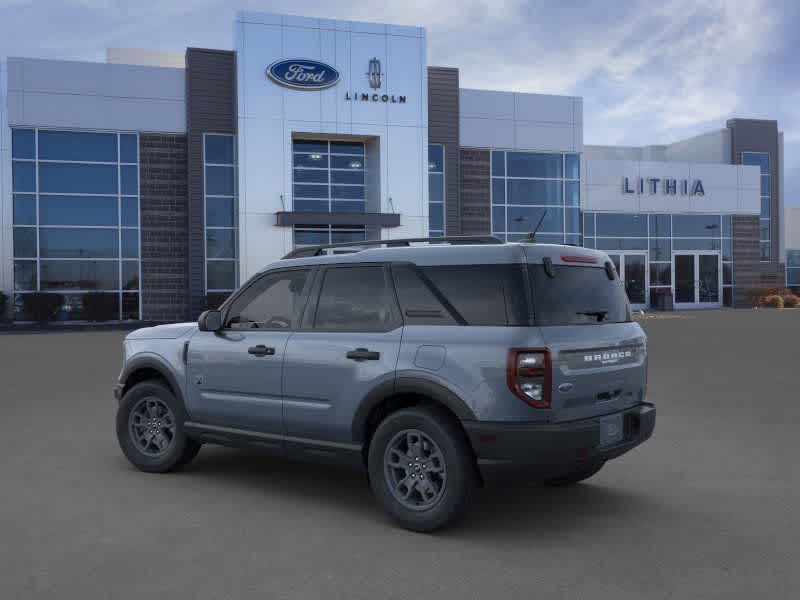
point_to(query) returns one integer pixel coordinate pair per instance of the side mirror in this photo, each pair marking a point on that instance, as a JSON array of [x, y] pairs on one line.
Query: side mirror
[[210, 320]]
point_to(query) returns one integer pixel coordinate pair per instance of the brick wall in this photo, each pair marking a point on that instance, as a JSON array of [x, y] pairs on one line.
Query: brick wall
[[476, 216], [165, 231]]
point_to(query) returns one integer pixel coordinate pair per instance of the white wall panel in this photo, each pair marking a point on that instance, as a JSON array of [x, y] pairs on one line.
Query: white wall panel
[[540, 135], [486, 104], [486, 133], [363, 47]]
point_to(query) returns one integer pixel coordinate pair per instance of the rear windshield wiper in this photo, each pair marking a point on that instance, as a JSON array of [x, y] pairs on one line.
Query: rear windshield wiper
[[600, 314]]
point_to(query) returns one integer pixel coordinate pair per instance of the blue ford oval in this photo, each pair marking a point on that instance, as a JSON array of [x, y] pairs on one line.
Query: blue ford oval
[[303, 74]]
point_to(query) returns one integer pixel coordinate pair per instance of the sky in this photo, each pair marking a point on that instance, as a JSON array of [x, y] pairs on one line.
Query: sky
[[649, 72]]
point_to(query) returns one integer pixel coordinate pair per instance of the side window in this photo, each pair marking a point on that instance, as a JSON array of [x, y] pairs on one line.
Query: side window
[[419, 303], [492, 295], [355, 298], [272, 302]]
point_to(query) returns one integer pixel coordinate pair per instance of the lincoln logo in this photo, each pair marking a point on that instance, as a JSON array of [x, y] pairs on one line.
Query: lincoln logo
[[607, 357], [301, 74], [374, 74]]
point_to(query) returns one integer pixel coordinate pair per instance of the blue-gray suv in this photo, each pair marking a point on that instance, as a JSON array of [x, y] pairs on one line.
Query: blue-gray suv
[[434, 367]]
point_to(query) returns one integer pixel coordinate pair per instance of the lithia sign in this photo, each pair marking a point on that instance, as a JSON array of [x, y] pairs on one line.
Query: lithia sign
[[306, 74], [667, 186]]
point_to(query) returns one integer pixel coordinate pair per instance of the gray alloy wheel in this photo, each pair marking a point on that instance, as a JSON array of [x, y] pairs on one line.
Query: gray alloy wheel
[[152, 426], [415, 470]]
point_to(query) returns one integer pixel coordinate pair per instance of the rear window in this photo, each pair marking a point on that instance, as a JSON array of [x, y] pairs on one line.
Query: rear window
[[577, 296]]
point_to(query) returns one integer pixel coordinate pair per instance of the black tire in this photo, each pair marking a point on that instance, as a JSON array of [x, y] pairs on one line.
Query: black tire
[[178, 449], [452, 490], [576, 475]]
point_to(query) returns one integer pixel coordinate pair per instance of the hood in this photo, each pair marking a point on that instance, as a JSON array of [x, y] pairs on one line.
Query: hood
[[162, 332]]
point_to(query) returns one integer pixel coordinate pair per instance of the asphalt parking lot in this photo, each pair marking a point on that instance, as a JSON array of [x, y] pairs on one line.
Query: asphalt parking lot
[[707, 509]]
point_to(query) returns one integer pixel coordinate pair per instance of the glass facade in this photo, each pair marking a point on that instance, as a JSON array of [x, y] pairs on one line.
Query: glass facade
[[76, 218], [328, 176], [528, 187], [219, 160], [761, 160], [658, 236], [793, 268], [436, 192]]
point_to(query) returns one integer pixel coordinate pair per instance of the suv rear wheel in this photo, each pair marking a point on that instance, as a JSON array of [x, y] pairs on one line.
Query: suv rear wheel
[[421, 468], [150, 429]]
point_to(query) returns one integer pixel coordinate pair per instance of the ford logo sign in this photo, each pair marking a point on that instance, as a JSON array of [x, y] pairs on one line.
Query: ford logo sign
[[303, 74]]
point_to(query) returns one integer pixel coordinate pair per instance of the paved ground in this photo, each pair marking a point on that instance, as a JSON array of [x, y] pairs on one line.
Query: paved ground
[[707, 509]]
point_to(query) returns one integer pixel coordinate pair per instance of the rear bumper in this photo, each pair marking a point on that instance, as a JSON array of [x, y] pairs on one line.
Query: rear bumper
[[536, 451]]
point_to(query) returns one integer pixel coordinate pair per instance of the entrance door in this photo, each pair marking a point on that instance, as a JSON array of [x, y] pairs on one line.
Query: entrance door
[[632, 269], [696, 279]]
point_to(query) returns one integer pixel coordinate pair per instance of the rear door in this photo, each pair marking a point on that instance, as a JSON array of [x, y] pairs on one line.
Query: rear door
[[348, 345], [597, 351]]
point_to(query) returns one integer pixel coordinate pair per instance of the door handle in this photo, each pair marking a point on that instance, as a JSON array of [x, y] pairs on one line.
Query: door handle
[[261, 350], [363, 354]]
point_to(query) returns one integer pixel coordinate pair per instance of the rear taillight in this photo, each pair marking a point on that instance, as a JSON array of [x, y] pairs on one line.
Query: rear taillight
[[529, 375]]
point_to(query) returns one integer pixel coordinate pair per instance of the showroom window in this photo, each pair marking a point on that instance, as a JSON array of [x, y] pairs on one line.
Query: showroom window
[[761, 160], [76, 221], [435, 190], [529, 186], [793, 268], [219, 158]]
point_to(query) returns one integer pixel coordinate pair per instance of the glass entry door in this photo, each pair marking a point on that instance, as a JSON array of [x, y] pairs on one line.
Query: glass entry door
[[696, 279], [632, 269]]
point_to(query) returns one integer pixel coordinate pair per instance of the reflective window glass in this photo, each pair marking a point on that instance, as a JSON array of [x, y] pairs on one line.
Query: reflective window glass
[[622, 225], [128, 148], [23, 143], [311, 237], [765, 250], [727, 225], [525, 191], [695, 244], [77, 210], [24, 209], [727, 249], [351, 192], [765, 208], [68, 178], [435, 158], [311, 205], [219, 181], [660, 249], [498, 191], [25, 275], [312, 175], [130, 275], [660, 274], [342, 235], [219, 212], [220, 243], [793, 258], [219, 149], [77, 146], [727, 273], [80, 275], [56, 242], [272, 302], [572, 190], [319, 161], [498, 163], [310, 191], [130, 212], [436, 217], [524, 219], [660, 226], [621, 243], [130, 243], [763, 228], [588, 224], [573, 166], [347, 148], [310, 146], [530, 164], [572, 220], [759, 159], [354, 177], [220, 274], [765, 185], [347, 206], [436, 187], [23, 176], [25, 242], [355, 298], [129, 180], [696, 225], [344, 162], [130, 307]]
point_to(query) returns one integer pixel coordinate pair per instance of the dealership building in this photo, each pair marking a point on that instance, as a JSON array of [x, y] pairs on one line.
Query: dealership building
[[167, 180]]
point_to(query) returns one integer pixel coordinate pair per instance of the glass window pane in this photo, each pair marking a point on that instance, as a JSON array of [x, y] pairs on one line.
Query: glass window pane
[[219, 181], [77, 210], [311, 237], [347, 148], [55, 242], [695, 244], [219, 212], [435, 158], [79, 275], [572, 220], [624, 225], [573, 166], [347, 236], [130, 212], [793, 258], [727, 226], [530, 164], [77, 145], [660, 249], [351, 192], [130, 274], [219, 149], [727, 297], [759, 159], [498, 163], [589, 242], [793, 277], [573, 193], [77, 179], [25, 275], [352, 177], [23, 143], [347, 206], [318, 161], [311, 205], [221, 274], [498, 218], [574, 239], [436, 187], [23, 176], [588, 224], [129, 180], [660, 226], [436, 217], [130, 307], [522, 191], [524, 219], [766, 251], [498, 191], [311, 175], [343, 162], [765, 185], [765, 208], [621, 244], [220, 243], [310, 191], [130, 243], [24, 209], [310, 146], [727, 273], [727, 249], [763, 229], [354, 298], [271, 302], [128, 148], [661, 274], [25, 242]]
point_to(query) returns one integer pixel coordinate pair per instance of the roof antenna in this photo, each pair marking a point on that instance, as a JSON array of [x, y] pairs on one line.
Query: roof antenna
[[531, 237]]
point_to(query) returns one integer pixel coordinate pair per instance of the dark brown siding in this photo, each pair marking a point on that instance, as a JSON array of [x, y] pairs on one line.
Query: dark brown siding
[[476, 218], [164, 227], [210, 108], [443, 129]]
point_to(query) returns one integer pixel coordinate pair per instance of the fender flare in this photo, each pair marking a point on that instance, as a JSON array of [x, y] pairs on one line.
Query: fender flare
[[407, 385], [157, 364]]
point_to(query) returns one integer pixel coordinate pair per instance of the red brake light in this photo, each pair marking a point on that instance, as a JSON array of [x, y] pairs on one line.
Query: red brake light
[[529, 375], [586, 260]]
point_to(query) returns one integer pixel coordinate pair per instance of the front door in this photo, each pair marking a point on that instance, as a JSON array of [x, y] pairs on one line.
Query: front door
[[235, 375], [696, 279], [632, 269]]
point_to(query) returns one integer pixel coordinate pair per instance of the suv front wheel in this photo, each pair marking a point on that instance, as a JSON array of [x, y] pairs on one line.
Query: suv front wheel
[[421, 468], [150, 429]]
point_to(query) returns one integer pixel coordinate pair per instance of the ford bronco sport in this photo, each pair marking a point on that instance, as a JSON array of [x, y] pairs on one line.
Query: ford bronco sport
[[436, 368]]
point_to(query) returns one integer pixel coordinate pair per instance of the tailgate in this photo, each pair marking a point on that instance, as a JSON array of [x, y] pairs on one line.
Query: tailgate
[[597, 369]]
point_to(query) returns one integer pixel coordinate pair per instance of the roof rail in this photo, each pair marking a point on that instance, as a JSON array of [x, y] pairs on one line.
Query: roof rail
[[309, 251]]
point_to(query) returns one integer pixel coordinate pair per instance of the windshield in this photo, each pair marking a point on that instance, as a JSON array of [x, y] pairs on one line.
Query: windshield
[[577, 295]]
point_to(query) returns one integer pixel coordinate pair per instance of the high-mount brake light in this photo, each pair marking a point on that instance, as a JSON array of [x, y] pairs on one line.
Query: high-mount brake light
[[584, 260], [529, 375]]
